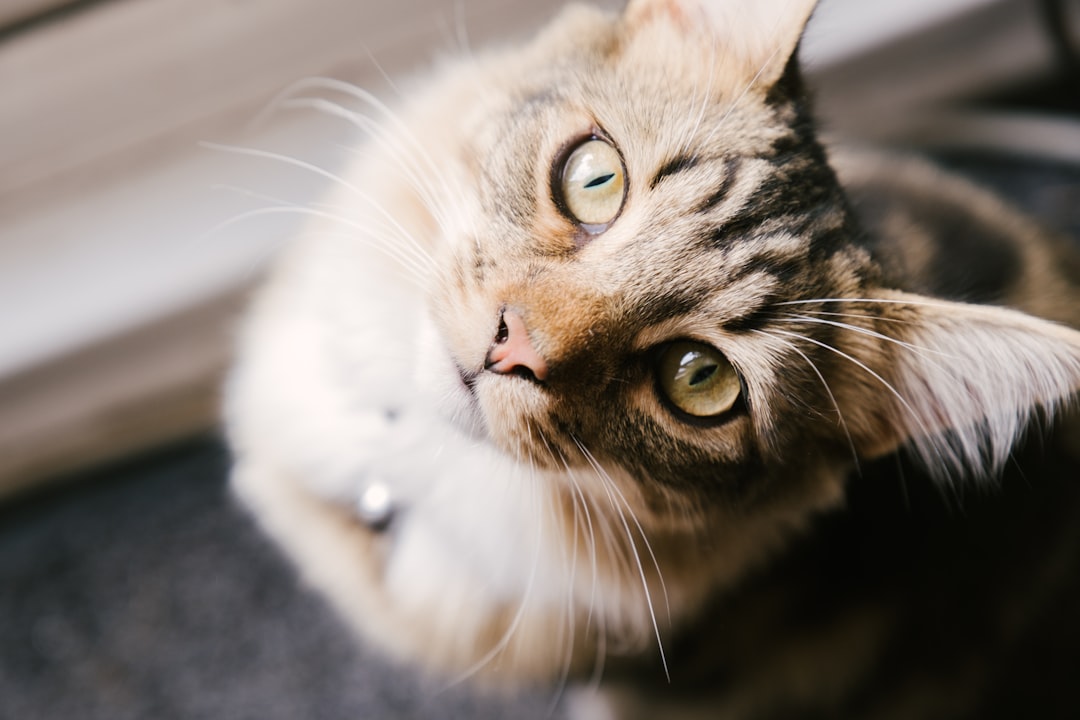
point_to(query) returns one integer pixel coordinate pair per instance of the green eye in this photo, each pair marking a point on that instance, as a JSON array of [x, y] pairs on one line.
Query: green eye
[[593, 183], [697, 379]]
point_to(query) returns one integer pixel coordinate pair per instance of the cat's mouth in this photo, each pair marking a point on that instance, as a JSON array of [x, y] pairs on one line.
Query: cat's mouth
[[464, 411], [468, 379], [521, 432]]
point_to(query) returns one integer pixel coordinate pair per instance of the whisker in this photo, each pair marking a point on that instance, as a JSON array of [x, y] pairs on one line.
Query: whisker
[[412, 243], [364, 96], [859, 316], [865, 301], [382, 72], [268, 155], [568, 632], [515, 623], [648, 546], [612, 543], [392, 250], [385, 241], [461, 31], [251, 194], [706, 95], [375, 130], [594, 592], [870, 333], [601, 630], [608, 483], [840, 416], [738, 98], [581, 500], [911, 411]]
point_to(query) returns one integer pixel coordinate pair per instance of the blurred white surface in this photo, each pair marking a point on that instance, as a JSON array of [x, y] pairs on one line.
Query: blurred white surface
[[145, 246], [841, 29]]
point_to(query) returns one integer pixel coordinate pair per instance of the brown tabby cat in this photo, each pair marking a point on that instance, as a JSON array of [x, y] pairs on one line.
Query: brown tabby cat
[[581, 367]]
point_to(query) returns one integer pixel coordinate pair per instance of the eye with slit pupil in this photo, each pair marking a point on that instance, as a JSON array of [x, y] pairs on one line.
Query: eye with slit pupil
[[697, 380], [589, 184]]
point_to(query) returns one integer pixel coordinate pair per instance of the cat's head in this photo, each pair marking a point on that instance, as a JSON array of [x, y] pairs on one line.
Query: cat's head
[[645, 190], [657, 273]]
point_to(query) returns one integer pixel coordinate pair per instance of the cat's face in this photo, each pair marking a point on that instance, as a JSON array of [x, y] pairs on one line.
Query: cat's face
[[645, 199]]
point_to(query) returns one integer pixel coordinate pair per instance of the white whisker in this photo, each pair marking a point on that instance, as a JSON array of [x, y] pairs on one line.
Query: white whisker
[[382, 72], [858, 316], [706, 102], [888, 386], [384, 244], [580, 499], [411, 243], [461, 31], [411, 171], [515, 623], [870, 333], [608, 484], [832, 398], [361, 95], [252, 194], [599, 618], [648, 546], [296, 162], [709, 140], [867, 301], [568, 631]]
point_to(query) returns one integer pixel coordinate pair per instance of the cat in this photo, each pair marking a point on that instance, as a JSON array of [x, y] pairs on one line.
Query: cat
[[596, 336]]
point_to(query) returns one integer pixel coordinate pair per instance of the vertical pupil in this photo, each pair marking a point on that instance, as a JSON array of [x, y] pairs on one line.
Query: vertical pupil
[[599, 180]]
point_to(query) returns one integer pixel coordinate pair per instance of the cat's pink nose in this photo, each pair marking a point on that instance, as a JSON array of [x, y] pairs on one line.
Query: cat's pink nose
[[512, 353]]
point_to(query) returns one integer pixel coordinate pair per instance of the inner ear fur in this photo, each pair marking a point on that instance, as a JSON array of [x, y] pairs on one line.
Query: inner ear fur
[[955, 383]]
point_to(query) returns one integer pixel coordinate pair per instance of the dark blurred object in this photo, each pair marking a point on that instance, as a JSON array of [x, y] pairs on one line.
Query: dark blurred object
[[1007, 55], [1056, 91], [1062, 19]]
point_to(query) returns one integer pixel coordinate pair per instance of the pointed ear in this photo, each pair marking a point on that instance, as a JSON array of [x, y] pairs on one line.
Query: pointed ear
[[957, 383], [759, 35]]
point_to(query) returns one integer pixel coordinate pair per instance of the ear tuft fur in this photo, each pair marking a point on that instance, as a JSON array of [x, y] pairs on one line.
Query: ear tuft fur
[[968, 381], [761, 36]]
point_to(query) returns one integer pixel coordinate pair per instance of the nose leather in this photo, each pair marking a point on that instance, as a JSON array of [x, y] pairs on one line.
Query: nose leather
[[513, 352]]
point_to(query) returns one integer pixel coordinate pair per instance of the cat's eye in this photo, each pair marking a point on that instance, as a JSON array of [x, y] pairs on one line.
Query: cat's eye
[[592, 183], [697, 379]]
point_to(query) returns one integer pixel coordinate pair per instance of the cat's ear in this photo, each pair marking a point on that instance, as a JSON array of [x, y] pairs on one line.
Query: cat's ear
[[756, 37], [955, 383]]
